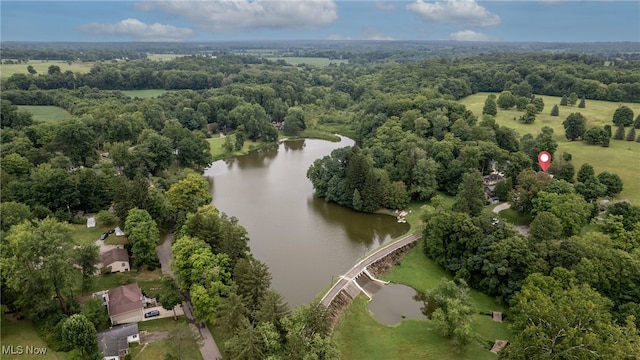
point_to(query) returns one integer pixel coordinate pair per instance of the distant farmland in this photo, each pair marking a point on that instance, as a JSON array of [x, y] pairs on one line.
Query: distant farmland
[[42, 66], [46, 113], [316, 61]]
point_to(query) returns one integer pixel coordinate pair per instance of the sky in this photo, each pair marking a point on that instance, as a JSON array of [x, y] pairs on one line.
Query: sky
[[237, 20]]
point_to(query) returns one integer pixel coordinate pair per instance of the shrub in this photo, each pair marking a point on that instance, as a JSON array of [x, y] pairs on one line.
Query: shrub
[[106, 218]]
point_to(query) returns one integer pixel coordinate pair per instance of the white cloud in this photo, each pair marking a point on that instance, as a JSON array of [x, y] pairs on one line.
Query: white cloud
[[138, 30], [470, 35], [231, 15], [462, 12], [374, 34], [385, 6]]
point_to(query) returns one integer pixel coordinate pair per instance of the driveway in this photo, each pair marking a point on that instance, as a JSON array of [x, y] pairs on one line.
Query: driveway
[[522, 229], [208, 347], [163, 313], [104, 247]]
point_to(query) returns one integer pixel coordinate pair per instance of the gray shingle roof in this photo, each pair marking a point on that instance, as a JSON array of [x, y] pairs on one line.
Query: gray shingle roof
[[114, 341]]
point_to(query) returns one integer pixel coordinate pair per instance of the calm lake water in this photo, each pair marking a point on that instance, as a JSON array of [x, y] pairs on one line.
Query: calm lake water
[[305, 241]]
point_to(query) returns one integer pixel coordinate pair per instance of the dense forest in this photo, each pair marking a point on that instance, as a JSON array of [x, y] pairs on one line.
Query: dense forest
[[141, 158]]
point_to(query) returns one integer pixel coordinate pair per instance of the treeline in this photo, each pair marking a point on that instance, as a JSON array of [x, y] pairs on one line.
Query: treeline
[[554, 75], [88, 55]]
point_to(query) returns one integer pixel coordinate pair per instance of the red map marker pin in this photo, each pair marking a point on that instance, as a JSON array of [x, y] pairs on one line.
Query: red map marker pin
[[544, 159]]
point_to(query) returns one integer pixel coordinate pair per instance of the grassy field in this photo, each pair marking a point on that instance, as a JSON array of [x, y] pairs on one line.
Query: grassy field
[[360, 336], [515, 218], [316, 61], [144, 94], [621, 157], [22, 333], [158, 349], [164, 57], [41, 67], [217, 147], [46, 113], [82, 235]]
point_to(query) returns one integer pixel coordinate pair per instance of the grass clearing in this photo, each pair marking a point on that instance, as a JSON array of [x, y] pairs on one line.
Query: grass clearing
[[621, 157], [515, 218], [164, 57], [42, 67], [149, 281], [218, 152], [82, 235], [315, 61], [360, 336], [22, 333], [47, 113], [144, 94], [157, 350]]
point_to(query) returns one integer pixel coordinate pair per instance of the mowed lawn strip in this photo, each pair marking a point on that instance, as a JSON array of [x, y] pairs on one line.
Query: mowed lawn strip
[[621, 157], [47, 113], [218, 152]]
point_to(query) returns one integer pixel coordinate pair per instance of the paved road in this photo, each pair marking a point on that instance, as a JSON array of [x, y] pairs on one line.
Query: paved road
[[208, 347], [360, 266]]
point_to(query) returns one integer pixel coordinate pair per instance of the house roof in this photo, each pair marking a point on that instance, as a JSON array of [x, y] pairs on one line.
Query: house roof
[[124, 299], [114, 255], [111, 342]]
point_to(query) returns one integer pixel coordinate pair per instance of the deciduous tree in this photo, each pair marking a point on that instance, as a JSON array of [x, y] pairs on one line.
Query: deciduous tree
[[471, 198], [574, 126], [144, 237], [80, 333], [623, 116], [453, 314], [169, 295], [186, 195], [490, 106]]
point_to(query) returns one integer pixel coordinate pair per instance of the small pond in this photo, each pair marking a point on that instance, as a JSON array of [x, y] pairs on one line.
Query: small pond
[[395, 302]]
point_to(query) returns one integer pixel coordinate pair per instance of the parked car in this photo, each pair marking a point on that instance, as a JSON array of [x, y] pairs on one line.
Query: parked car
[[103, 236], [152, 313], [111, 231]]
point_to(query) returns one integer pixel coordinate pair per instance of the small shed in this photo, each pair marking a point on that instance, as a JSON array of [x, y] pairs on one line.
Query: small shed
[[91, 222]]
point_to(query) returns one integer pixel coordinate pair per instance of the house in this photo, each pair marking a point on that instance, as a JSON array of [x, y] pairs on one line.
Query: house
[[114, 343], [117, 259], [126, 303], [489, 182]]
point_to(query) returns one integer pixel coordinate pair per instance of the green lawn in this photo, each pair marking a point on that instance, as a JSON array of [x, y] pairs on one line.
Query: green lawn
[[22, 333], [158, 349], [316, 61], [515, 218], [217, 150], [82, 235], [621, 157], [47, 113], [149, 281], [360, 336], [41, 67], [144, 94]]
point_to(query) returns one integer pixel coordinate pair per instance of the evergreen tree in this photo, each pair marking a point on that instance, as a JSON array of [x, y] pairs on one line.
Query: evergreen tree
[[538, 103], [636, 123], [582, 103], [573, 99], [619, 133], [555, 111], [607, 128], [564, 100], [631, 135], [638, 139]]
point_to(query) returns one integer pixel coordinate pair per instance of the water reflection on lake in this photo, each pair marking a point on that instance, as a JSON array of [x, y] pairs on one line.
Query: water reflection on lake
[[395, 302], [305, 241]]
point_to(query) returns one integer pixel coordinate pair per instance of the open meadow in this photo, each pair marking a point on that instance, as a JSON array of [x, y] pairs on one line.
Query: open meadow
[[42, 66], [46, 113], [621, 157], [144, 94], [315, 61], [17, 335]]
